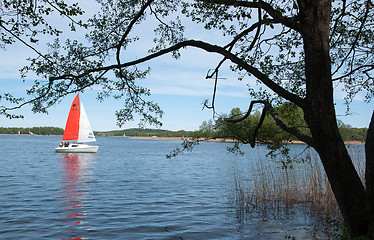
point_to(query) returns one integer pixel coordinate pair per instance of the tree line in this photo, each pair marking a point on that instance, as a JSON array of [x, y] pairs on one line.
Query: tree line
[[147, 132], [32, 130], [270, 132]]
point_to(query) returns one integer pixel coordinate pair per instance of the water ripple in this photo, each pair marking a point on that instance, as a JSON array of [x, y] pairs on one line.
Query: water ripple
[[128, 190]]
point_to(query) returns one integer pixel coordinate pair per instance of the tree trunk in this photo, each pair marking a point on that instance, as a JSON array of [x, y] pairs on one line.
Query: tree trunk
[[320, 116], [369, 175], [345, 182]]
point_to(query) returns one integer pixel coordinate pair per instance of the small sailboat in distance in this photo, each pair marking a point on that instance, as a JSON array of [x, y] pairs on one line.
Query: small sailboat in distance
[[77, 129]]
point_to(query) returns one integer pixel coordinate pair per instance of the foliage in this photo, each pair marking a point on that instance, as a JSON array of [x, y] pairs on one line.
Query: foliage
[[72, 66], [47, 130], [32, 130], [116, 133], [244, 130], [186, 146], [350, 133], [144, 132], [25, 21], [207, 130], [269, 133], [297, 51]]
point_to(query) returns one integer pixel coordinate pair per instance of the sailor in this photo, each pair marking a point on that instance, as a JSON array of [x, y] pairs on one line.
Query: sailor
[[60, 144]]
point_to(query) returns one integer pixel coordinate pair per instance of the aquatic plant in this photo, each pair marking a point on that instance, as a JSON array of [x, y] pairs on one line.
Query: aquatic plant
[[273, 189]]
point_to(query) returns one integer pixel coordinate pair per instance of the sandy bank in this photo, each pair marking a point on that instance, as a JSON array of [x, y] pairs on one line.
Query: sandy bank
[[180, 139]]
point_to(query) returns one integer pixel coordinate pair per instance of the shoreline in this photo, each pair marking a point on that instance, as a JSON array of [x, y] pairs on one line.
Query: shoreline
[[218, 140], [180, 139], [185, 138]]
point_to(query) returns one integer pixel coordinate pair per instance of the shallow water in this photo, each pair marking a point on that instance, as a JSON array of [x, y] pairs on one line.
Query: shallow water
[[128, 190]]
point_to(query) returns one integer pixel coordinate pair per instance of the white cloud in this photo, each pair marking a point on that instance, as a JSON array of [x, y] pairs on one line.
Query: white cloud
[[340, 93]]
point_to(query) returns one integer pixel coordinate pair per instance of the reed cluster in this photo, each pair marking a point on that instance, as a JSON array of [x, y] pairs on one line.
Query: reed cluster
[[273, 188]]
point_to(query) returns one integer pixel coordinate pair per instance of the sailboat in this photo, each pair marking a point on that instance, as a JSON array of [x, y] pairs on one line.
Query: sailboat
[[77, 129]]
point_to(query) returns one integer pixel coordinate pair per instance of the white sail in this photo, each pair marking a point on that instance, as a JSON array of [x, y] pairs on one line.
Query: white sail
[[85, 131]]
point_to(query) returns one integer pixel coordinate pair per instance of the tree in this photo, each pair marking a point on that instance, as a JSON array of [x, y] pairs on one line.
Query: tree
[[296, 50], [25, 21], [206, 130], [259, 127]]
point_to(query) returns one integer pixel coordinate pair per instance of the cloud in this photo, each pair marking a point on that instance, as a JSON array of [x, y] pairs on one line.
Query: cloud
[[340, 93]]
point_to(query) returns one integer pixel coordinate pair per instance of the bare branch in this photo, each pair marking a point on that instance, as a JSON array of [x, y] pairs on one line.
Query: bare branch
[[215, 72]]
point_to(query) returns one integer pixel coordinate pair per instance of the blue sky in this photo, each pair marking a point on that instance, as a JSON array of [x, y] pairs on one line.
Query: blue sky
[[179, 86]]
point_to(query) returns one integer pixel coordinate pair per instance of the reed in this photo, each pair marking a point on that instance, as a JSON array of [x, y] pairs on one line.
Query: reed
[[276, 189]]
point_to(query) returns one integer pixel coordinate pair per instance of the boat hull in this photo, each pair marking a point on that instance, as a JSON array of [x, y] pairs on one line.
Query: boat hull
[[77, 148]]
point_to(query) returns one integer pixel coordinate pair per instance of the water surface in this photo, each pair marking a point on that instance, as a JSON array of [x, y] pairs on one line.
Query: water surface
[[128, 190]]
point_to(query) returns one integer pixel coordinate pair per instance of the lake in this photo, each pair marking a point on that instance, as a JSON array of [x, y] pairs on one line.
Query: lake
[[128, 190]]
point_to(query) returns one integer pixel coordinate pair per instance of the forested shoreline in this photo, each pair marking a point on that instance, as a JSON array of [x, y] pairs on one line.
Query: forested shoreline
[[32, 130], [205, 131]]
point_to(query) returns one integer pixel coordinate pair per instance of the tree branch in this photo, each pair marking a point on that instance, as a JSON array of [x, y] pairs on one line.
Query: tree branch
[[62, 13], [275, 14], [337, 20], [26, 44], [369, 68], [278, 120], [353, 45], [256, 25], [209, 48], [128, 30]]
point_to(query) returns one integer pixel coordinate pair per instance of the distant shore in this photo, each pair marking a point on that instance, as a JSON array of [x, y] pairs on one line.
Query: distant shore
[[189, 139], [216, 140], [181, 139]]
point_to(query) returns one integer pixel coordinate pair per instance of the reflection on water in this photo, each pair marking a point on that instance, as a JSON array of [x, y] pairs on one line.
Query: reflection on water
[[74, 188], [129, 190]]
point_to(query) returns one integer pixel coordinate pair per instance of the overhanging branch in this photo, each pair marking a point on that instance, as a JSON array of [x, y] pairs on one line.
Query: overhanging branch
[[274, 13], [278, 120], [208, 48], [129, 28]]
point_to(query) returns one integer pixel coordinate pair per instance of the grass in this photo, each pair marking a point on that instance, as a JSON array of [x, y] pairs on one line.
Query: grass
[[272, 188]]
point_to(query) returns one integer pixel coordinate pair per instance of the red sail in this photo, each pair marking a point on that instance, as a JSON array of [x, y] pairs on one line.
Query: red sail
[[72, 124]]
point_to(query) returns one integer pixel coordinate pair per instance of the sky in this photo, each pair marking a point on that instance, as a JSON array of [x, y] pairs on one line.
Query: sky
[[178, 86]]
